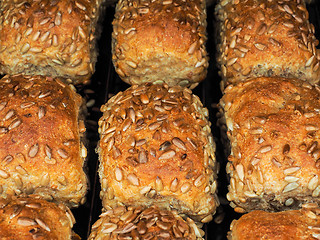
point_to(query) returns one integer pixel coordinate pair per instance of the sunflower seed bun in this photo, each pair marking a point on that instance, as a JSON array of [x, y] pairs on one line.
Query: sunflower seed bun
[[273, 126], [156, 148], [291, 224], [29, 218], [140, 223], [160, 41], [40, 149], [266, 38], [49, 37]]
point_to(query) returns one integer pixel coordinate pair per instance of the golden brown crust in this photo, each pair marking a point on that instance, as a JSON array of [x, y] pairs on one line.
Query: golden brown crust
[[40, 140], [49, 37], [273, 126], [29, 218], [144, 223], [156, 147], [266, 38], [293, 224], [160, 41]]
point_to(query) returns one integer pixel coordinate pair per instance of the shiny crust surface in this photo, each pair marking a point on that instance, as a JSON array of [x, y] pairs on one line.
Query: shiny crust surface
[[29, 218], [40, 149], [266, 38], [273, 127], [49, 37], [156, 147], [140, 223], [160, 41], [300, 224]]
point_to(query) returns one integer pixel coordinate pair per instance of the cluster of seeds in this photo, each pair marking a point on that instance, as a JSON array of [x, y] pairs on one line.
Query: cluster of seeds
[[40, 134], [34, 218], [146, 224], [273, 126], [266, 38], [156, 147], [169, 35], [49, 37]]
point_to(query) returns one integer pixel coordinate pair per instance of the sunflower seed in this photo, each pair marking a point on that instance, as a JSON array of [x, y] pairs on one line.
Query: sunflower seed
[[21, 170], [291, 170], [3, 174], [33, 205], [158, 184], [3, 105], [193, 47], [33, 150], [256, 131], [185, 187], [132, 178], [179, 143], [3, 130], [142, 157], [261, 29], [118, 174], [42, 224], [25, 221], [58, 18], [286, 149], [45, 179], [154, 126], [291, 179], [290, 187], [240, 171], [311, 128], [174, 185], [312, 147], [14, 124], [8, 159], [109, 227], [9, 115], [132, 114], [164, 146], [27, 105], [313, 182], [25, 48], [167, 155], [309, 61], [265, 149], [260, 46], [316, 192], [116, 152], [62, 153], [231, 61]]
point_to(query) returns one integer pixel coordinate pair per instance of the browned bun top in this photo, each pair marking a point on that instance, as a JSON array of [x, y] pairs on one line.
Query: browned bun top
[[40, 147], [156, 147], [273, 126], [30, 218], [291, 224], [49, 37], [167, 35], [266, 38]]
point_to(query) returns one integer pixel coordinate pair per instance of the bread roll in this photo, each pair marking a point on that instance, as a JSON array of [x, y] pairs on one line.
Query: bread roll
[[266, 38], [156, 148], [160, 41], [49, 37], [40, 148], [273, 126], [29, 218], [140, 223], [292, 224]]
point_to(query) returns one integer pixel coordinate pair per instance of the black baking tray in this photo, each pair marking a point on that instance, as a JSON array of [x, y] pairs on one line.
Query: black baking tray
[[105, 83]]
